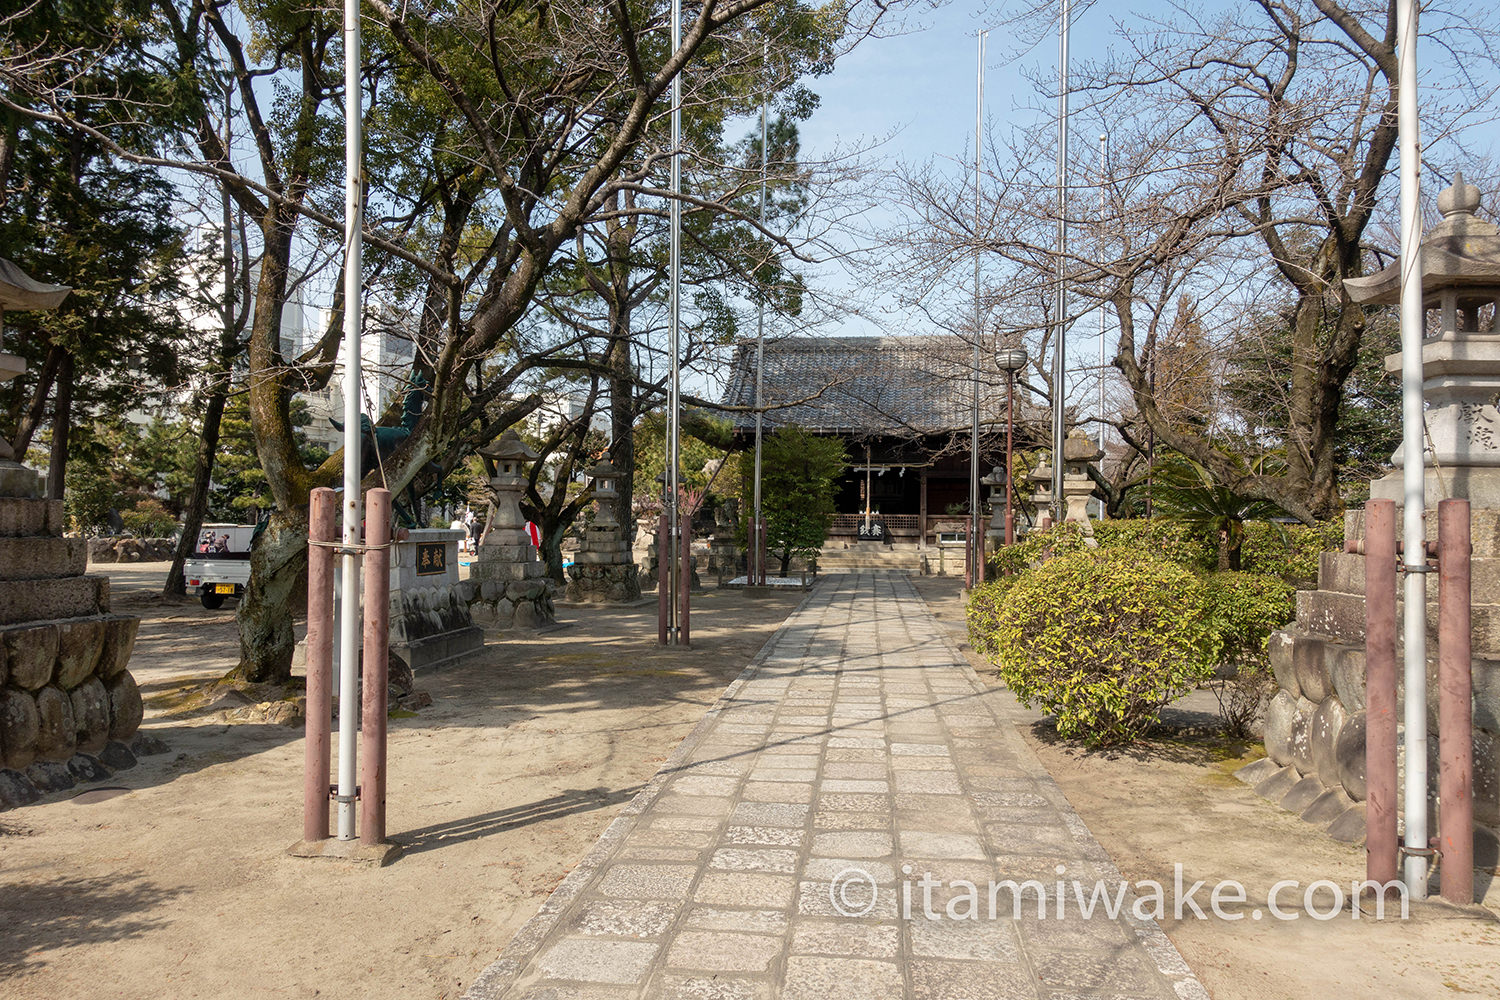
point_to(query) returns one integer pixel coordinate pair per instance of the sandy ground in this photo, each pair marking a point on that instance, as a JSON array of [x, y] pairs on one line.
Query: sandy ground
[[1175, 801], [174, 883]]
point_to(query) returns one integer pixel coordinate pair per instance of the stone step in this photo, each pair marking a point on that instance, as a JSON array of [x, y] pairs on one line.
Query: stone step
[[1342, 617], [42, 558], [1484, 528], [31, 518], [1344, 573], [50, 600]]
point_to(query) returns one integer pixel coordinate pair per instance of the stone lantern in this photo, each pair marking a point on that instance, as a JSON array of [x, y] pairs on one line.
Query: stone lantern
[[508, 570], [604, 570], [1460, 356], [997, 483], [1079, 452]]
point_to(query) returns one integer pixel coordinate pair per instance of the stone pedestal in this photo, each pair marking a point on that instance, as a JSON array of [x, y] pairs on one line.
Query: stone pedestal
[[509, 581], [69, 708], [644, 553], [431, 625], [724, 556], [604, 570]]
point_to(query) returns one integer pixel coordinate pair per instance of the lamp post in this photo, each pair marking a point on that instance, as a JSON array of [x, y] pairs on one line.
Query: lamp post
[[1010, 360]]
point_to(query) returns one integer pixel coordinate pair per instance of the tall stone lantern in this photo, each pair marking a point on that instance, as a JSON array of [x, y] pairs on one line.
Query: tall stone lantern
[[996, 481], [1079, 452], [508, 570], [604, 570], [1460, 356]]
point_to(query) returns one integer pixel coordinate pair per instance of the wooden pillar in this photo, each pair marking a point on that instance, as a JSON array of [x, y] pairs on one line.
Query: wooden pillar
[[922, 514]]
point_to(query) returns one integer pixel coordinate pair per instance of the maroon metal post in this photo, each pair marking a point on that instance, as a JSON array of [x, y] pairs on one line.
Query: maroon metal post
[[373, 689], [684, 636], [1010, 515], [760, 554], [1455, 705], [1381, 856], [322, 526], [663, 578]]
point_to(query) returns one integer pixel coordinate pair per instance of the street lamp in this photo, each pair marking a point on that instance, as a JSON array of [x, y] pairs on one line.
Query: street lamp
[[1010, 360]]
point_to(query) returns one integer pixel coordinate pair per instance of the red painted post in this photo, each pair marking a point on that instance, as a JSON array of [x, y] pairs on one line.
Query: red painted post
[[684, 636], [322, 526], [760, 553], [1381, 860], [373, 689], [663, 579], [1455, 705]]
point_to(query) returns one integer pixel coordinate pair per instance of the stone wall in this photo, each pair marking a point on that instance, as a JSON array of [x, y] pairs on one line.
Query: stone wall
[[69, 708], [118, 550], [1315, 723]]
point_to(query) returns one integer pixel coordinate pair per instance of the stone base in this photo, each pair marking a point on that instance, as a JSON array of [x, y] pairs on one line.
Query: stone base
[[603, 583], [1480, 486], [441, 650], [334, 849], [19, 787]]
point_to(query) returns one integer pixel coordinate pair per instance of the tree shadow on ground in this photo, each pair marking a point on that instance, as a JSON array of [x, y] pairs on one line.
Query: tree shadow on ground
[[39, 914]]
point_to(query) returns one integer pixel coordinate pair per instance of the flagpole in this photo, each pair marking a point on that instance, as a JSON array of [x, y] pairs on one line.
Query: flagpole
[[1059, 354]]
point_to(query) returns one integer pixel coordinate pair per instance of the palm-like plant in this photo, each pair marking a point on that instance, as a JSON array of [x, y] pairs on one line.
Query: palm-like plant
[[1185, 491]]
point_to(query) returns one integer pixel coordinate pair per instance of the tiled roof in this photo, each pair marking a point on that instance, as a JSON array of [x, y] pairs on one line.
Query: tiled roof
[[912, 385]]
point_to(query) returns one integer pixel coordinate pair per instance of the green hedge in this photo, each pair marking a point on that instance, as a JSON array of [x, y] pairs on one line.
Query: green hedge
[[1102, 639], [1290, 551]]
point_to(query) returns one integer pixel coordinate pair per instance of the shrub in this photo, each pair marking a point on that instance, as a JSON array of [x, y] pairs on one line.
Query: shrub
[[1036, 547], [148, 518], [1289, 551], [1177, 541], [983, 613], [1243, 610], [1102, 639]]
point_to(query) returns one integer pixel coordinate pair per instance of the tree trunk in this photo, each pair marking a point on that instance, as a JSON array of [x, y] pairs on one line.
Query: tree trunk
[[278, 577], [203, 474]]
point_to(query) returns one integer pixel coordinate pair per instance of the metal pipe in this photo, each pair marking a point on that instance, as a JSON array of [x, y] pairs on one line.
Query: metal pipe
[[322, 526], [674, 403], [1059, 353], [1455, 705], [1380, 691], [684, 633], [374, 692], [353, 314], [1010, 421], [1103, 209], [1413, 471], [762, 557], [756, 570], [663, 569], [974, 568]]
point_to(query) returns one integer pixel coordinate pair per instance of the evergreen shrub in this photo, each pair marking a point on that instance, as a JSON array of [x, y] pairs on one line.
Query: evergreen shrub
[[1102, 639]]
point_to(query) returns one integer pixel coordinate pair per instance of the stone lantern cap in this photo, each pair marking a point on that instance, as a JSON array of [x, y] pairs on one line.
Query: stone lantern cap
[[605, 470], [1462, 251], [1080, 448], [996, 477], [509, 449]]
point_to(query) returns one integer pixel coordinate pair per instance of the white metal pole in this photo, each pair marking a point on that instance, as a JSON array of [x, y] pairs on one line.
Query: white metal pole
[[1059, 353], [349, 625], [1103, 210], [1412, 444], [755, 571], [674, 404], [976, 542]]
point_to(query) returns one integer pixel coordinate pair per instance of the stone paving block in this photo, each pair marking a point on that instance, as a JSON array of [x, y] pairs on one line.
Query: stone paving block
[[806, 775], [978, 939], [740, 860], [646, 881], [773, 836], [777, 791], [719, 951], [853, 802], [899, 764], [871, 771], [769, 814], [633, 919], [852, 844], [1027, 838], [830, 869], [704, 784], [717, 918], [928, 782], [1117, 973], [932, 844], [634, 852], [832, 785], [713, 987], [816, 899], [833, 819], [692, 805], [846, 937], [746, 889], [821, 978], [937, 980], [698, 823], [594, 960]]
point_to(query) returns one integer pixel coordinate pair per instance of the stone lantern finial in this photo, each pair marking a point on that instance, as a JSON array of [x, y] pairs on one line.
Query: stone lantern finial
[[1459, 198]]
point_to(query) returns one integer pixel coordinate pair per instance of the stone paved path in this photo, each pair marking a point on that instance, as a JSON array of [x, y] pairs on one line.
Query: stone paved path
[[859, 748]]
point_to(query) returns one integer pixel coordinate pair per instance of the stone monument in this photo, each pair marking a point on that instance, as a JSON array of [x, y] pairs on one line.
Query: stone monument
[[431, 625], [604, 570], [1315, 724], [511, 581], [724, 556], [69, 707]]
